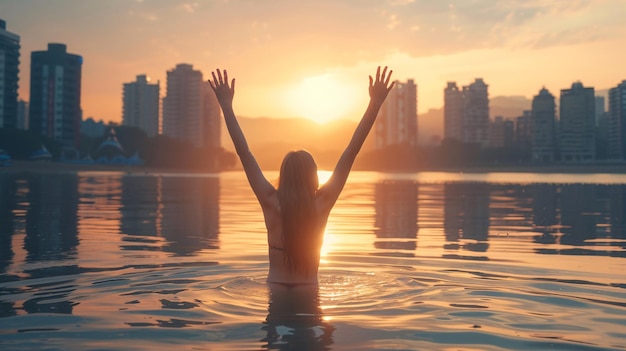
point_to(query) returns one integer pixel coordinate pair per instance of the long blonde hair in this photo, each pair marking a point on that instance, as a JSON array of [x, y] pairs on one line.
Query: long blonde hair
[[297, 187]]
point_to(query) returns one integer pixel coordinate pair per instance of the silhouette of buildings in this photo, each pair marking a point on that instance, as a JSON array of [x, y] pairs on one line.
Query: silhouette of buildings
[[617, 122], [523, 129], [190, 109], [600, 108], [453, 112], [578, 120], [497, 132], [397, 121], [212, 117], [22, 115], [466, 113], [92, 128], [476, 113], [55, 94], [9, 80], [543, 126], [141, 105]]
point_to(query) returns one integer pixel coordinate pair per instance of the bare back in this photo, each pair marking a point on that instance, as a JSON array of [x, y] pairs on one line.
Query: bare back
[[279, 271]]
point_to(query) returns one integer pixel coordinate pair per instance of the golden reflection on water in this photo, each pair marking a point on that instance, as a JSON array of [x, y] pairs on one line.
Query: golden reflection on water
[[401, 256]]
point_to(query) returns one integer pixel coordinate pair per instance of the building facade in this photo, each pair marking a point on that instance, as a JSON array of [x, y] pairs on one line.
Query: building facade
[[497, 133], [600, 108], [141, 105], [397, 119], [476, 113], [182, 105], [452, 113], [9, 76], [22, 115], [617, 122], [577, 121], [212, 119], [544, 127], [524, 129], [55, 94]]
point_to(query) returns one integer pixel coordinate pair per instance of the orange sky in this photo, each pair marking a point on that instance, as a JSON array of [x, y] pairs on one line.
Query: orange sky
[[312, 58]]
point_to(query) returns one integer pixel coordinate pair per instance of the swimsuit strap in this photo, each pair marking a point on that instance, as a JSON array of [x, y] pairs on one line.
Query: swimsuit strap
[[277, 248]]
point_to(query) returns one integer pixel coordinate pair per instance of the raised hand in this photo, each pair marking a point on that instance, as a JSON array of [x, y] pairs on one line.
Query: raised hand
[[380, 87], [222, 90]]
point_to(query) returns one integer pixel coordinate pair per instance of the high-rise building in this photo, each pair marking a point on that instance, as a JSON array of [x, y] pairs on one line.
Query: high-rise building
[[55, 92], [496, 133], [523, 129], [578, 121], [397, 121], [190, 108], [509, 132], [543, 127], [600, 108], [617, 122], [452, 113], [141, 105], [22, 115], [9, 79], [476, 113], [213, 117]]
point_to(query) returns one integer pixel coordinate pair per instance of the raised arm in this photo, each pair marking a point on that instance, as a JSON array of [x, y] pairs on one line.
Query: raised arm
[[260, 186], [378, 90]]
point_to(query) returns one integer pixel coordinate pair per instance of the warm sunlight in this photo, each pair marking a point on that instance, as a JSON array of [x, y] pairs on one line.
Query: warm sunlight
[[321, 98], [323, 176]]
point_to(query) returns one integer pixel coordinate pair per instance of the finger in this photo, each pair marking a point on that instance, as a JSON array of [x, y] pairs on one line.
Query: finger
[[212, 85], [232, 86], [382, 77], [378, 74], [371, 81], [214, 78], [219, 74], [388, 78], [391, 86], [226, 77]]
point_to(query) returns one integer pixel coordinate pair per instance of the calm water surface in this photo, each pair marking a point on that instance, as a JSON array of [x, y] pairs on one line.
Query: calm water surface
[[427, 261]]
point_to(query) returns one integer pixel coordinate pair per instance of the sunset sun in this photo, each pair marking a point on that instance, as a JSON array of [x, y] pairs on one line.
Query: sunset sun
[[320, 98]]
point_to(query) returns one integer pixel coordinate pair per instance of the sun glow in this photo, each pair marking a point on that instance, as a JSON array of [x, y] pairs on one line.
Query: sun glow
[[321, 98]]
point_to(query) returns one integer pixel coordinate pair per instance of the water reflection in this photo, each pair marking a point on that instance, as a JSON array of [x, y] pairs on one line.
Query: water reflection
[[185, 211], [52, 217], [467, 215], [189, 213], [617, 214], [45, 217], [295, 320], [578, 213], [7, 203], [396, 214]]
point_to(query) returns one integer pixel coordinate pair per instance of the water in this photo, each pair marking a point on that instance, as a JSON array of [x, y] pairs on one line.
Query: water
[[428, 261]]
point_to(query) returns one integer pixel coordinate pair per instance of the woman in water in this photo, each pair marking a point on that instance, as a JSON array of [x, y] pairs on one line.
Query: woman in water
[[296, 213]]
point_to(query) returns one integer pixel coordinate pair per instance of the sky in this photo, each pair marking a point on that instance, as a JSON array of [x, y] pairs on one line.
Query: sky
[[312, 58]]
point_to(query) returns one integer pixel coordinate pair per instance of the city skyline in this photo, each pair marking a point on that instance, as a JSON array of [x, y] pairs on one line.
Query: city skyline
[[325, 50]]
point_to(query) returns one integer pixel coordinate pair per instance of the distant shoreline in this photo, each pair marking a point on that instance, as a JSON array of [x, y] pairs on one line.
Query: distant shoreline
[[59, 167]]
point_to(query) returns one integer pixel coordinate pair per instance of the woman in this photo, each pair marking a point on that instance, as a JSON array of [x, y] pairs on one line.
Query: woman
[[296, 213]]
